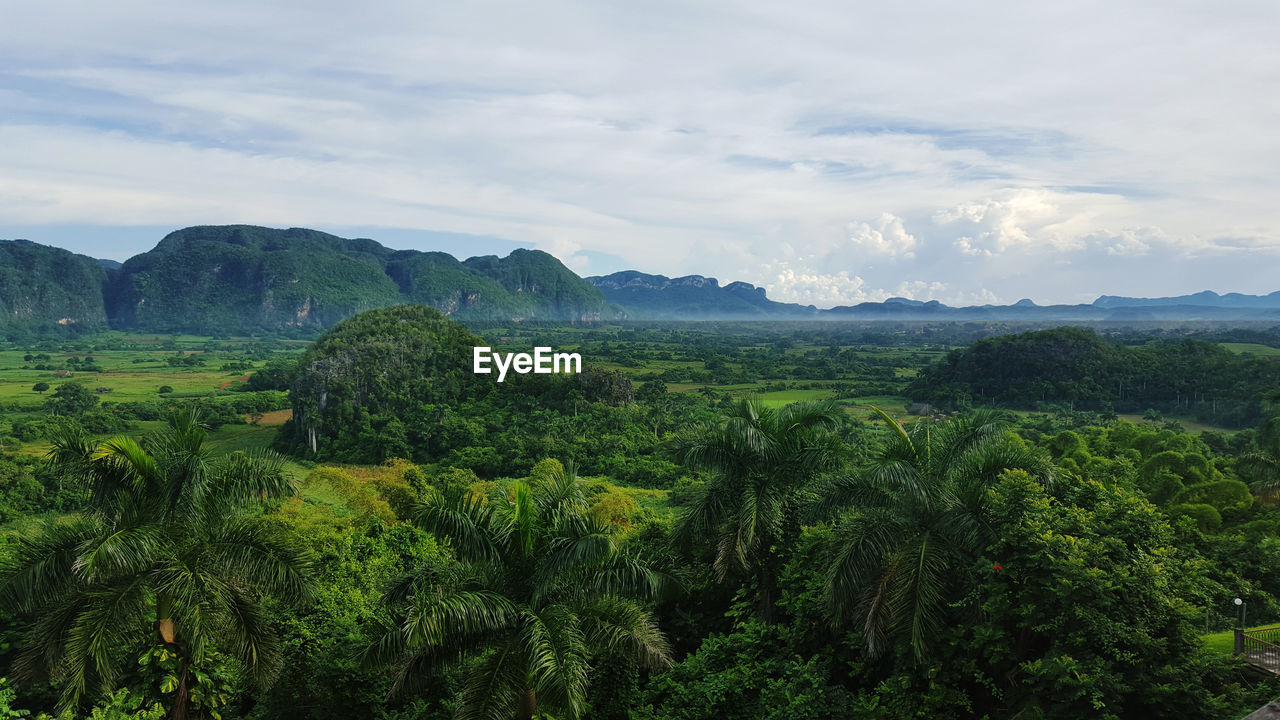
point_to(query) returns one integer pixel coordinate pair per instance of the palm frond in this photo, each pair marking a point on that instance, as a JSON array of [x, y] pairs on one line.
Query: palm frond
[[41, 566], [241, 476], [557, 654], [919, 594], [260, 553], [494, 685], [132, 549], [109, 618], [438, 618], [250, 636], [466, 522], [615, 624], [898, 430]]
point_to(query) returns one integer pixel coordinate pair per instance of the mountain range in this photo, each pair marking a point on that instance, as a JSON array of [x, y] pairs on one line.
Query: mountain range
[[242, 278]]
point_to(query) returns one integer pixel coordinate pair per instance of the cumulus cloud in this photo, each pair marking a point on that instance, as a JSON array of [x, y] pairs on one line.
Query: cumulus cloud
[[823, 290], [886, 236]]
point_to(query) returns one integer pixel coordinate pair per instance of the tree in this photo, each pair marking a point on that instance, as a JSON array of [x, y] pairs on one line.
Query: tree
[[917, 515], [71, 399], [540, 591], [764, 464], [1262, 467], [40, 387], [163, 389], [163, 557]]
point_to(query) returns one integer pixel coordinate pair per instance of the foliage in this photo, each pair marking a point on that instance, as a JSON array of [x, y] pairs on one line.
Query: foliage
[[71, 399], [919, 514], [541, 590], [764, 463], [1078, 367], [164, 556]]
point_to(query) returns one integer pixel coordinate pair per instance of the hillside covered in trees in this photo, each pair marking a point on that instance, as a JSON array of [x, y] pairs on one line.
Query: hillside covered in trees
[[48, 287], [246, 279], [1079, 368]]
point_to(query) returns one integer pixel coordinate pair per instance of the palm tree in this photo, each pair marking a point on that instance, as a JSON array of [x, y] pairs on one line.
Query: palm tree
[[164, 555], [916, 517], [764, 464], [1262, 467], [541, 590]]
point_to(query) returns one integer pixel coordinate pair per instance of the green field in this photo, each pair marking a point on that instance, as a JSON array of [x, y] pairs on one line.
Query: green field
[[1252, 348], [779, 398]]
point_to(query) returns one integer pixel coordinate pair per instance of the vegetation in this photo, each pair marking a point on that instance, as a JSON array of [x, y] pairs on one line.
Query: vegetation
[[162, 557], [1077, 367], [541, 592], [742, 521]]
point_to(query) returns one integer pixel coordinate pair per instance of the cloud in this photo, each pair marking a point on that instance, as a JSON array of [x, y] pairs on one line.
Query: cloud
[[886, 237], [823, 290], [860, 149]]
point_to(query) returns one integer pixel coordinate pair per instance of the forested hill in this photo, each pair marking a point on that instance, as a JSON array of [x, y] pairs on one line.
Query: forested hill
[[1078, 368], [232, 278], [43, 286]]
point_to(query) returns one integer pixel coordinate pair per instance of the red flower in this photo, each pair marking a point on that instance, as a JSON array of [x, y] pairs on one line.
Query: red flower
[[997, 567]]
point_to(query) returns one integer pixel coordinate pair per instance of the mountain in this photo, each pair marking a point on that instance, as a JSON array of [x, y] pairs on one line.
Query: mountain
[[48, 287], [691, 296], [239, 277], [244, 278], [1206, 298]]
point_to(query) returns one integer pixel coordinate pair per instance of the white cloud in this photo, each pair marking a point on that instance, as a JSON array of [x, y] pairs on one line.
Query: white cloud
[[823, 290], [856, 147], [886, 237]]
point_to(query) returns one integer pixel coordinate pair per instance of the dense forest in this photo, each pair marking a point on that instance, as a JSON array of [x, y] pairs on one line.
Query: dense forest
[[711, 520], [1077, 367]]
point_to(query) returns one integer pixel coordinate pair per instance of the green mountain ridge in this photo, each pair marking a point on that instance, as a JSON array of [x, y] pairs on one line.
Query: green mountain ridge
[[242, 278]]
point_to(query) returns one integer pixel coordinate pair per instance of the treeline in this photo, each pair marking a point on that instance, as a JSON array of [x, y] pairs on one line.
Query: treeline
[[1079, 368]]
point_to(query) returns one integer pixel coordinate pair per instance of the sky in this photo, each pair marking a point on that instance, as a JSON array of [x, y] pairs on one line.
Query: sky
[[831, 152]]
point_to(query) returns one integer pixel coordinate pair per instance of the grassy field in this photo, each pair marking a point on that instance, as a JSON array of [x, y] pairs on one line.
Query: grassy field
[[1252, 348], [779, 398], [132, 374]]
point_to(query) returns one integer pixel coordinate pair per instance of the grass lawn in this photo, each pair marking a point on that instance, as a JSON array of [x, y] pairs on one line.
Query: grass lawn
[[1225, 642]]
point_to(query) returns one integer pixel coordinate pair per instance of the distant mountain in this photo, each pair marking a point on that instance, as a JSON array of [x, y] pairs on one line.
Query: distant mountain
[[1207, 298], [48, 287], [691, 296], [243, 278]]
